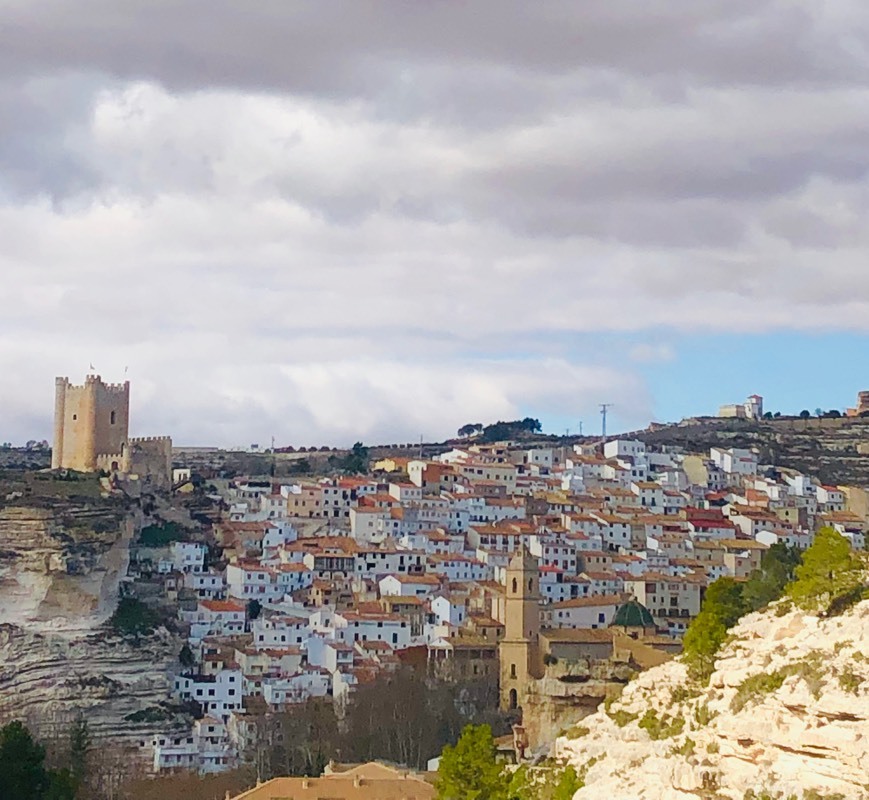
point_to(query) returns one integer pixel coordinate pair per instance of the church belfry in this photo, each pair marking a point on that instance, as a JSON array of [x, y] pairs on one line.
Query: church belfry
[[518, 651]]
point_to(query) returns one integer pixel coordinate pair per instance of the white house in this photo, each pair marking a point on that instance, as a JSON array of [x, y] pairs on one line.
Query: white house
[[351, 626], [207, 585], [279, 631], [584, 612], [450, 610], [621, 448], [188, 556], [219, 695], [215, 618], [417, 585]]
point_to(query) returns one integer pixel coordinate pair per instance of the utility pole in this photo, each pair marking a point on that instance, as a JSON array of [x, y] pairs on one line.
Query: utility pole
[[603, 410]]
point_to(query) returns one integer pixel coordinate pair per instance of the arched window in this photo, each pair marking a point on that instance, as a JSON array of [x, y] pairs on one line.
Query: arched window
[[514, 700], [515, 586], [112, 418], [531, 584]]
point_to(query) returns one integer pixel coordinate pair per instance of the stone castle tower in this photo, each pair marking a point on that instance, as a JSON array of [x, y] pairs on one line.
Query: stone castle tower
[[91, 425], [91, 432], [518, 651]]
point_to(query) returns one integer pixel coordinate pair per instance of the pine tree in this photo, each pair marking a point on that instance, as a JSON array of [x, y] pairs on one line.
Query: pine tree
[[22, 764], [469, 771], [830, 573]]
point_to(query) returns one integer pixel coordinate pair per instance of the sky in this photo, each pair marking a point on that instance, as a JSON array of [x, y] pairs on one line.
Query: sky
[[337, 221]]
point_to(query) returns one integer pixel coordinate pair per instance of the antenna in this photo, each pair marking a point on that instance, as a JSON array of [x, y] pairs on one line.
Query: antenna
[[580, 427], [420, 447], [603, 410]]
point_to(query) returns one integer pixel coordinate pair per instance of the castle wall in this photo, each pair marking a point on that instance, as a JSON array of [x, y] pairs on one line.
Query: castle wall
[[151, 459]]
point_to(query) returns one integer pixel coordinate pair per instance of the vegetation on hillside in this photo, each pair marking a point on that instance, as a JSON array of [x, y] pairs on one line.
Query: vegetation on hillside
[[402, 718], [471, 770], [24, 774], [133, 618], [827, 579], [162, 534]]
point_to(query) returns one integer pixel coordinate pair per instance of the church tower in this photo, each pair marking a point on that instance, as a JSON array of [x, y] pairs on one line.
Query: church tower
[[518, 651]]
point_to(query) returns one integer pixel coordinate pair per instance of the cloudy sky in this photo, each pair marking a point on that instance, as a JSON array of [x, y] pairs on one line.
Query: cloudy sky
[[326, 221]]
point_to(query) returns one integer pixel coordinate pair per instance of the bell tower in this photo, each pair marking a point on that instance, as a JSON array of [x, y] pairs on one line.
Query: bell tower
[[518, 651]]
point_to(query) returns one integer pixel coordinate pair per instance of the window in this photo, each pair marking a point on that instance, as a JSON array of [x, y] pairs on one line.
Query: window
[[513, 673], [112, 418]]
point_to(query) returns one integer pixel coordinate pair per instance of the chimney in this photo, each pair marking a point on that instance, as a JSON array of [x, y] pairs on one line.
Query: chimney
[[306, 784], [357, 781]]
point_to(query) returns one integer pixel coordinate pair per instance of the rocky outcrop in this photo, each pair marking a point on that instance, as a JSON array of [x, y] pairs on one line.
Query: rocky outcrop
[[786, 712], [61, 566], [49, 678]]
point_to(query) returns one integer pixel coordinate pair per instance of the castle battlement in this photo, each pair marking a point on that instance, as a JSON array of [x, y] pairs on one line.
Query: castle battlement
[[90, 380], [144, 439]]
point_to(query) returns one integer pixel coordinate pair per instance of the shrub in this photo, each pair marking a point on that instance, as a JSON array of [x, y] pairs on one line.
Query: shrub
[[661, 728], [621, 717], [755, 687], [681, 694], [703, 716], [850, 681], [685, 749], [576, 732], [133, 617], [162, 534], [712, 747]]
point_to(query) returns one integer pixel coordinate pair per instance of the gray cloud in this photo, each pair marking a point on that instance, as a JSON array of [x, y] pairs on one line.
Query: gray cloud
[[384, 217]]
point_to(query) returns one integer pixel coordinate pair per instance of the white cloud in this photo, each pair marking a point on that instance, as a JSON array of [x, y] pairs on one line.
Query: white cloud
[[401, 231]]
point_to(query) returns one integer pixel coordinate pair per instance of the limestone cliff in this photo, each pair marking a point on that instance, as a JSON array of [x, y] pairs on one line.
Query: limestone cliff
[[786, 712], [62, 563]]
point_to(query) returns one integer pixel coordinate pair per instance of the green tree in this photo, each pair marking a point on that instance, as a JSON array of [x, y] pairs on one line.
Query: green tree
[[133, 617], [805, 414], [776, 571], [830, 575], [186, 657], [356, 461], [722, 607], [22, 764], [254, 609], [569, 783], [469, 771]]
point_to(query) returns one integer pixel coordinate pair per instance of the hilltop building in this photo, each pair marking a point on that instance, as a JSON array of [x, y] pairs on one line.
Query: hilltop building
[[752, 408], [862, 406], [91, 432]]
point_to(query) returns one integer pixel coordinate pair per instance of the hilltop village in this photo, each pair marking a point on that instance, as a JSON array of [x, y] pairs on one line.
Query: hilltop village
[[555, 572], [537, 578]]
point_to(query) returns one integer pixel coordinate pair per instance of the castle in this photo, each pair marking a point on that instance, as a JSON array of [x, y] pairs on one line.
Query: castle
[[91, 432]]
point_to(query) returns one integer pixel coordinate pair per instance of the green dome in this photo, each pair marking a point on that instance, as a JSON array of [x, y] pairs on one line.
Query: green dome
[[633, 614]]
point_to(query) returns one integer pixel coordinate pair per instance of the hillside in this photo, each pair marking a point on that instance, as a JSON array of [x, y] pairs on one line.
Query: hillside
[[785, 716], [834, 450]]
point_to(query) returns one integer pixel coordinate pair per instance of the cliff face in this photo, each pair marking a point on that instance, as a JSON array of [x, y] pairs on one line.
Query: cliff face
[[61, 566], [786, 712], [49, 678]]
